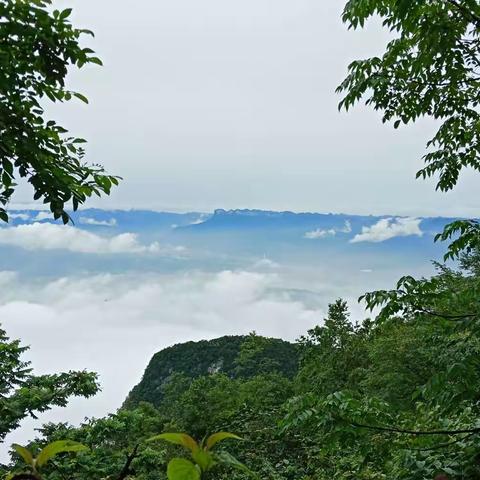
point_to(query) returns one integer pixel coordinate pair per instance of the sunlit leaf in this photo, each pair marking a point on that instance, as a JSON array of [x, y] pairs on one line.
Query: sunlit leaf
[[178, 439], [24, 453], [182, 469], [218, 437], [60, 446]]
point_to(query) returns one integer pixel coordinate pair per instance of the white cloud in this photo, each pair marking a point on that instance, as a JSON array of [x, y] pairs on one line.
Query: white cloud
[[201, 219], [101, 223], [46, 236], [265, 263], [113, 324], [347, 228], [20, 216], [389, 228], [318, 233], [331, 232], [43, 215]]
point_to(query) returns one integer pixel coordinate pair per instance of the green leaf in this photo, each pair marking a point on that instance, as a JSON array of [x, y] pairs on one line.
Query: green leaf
[[8, 166], [229, 460], [81, 97], [24, 453], [95, 60], [203, 459], [218, 437], [57, 447], [65, 13], [182, 469], [178, 439]]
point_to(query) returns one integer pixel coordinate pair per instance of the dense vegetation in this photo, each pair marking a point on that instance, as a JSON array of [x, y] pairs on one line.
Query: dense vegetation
[[393, 397], [221, 355], [24, 394]]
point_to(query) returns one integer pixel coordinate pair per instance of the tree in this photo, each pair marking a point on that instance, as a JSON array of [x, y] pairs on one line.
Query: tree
[[251, 358], [23, 394], [116, 444], [38, 45], [204, 460], [430, 68], [36, 464], [332, 354]]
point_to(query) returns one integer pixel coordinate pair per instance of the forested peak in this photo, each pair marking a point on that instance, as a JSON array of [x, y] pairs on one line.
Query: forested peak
[[234, 356]]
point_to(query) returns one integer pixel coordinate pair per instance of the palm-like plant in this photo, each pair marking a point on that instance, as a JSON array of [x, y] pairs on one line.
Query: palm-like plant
[[204, 459]]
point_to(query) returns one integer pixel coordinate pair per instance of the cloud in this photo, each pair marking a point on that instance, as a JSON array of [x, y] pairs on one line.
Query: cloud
[[319, 233], [19, 216], [101, 223], [113, 323], [265, 263], [46, 236], [347, 228], [201, 219], [44, 215], [388, 228]]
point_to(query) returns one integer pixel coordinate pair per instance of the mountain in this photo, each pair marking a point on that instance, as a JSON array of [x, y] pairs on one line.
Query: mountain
[[234, 240], [194, 359]]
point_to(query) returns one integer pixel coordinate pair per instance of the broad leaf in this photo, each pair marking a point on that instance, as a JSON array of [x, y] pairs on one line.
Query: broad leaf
[[229, 460], [182, 469], [57, 447], [178, 439], [218, 437], [203, 459], [24, 453]]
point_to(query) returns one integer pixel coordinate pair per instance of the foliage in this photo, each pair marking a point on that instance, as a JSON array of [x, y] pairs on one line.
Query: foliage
[[191, 360], [24, 394], [412, 410], [116, 445], [254, 358], [38, 45], [332, 354], [204, 459], [392, 397], [36, 464], [429, 68]]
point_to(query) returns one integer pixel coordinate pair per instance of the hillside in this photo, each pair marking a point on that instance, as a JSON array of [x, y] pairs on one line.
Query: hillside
[[220, 355]]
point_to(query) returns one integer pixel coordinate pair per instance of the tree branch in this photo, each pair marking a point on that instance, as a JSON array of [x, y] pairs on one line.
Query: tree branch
[[467, 14], [442, 445], [416, 432], [126, 470], [444, 315]]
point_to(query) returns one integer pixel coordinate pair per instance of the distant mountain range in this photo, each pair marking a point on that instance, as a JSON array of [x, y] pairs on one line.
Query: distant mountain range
[[229, 239], [220, 219]]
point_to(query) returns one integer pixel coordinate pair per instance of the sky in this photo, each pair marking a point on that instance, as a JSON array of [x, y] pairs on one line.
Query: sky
[[221, 103]]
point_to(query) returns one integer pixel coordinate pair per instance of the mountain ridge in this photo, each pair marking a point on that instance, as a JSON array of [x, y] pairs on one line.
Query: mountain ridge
[[206, 357]]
